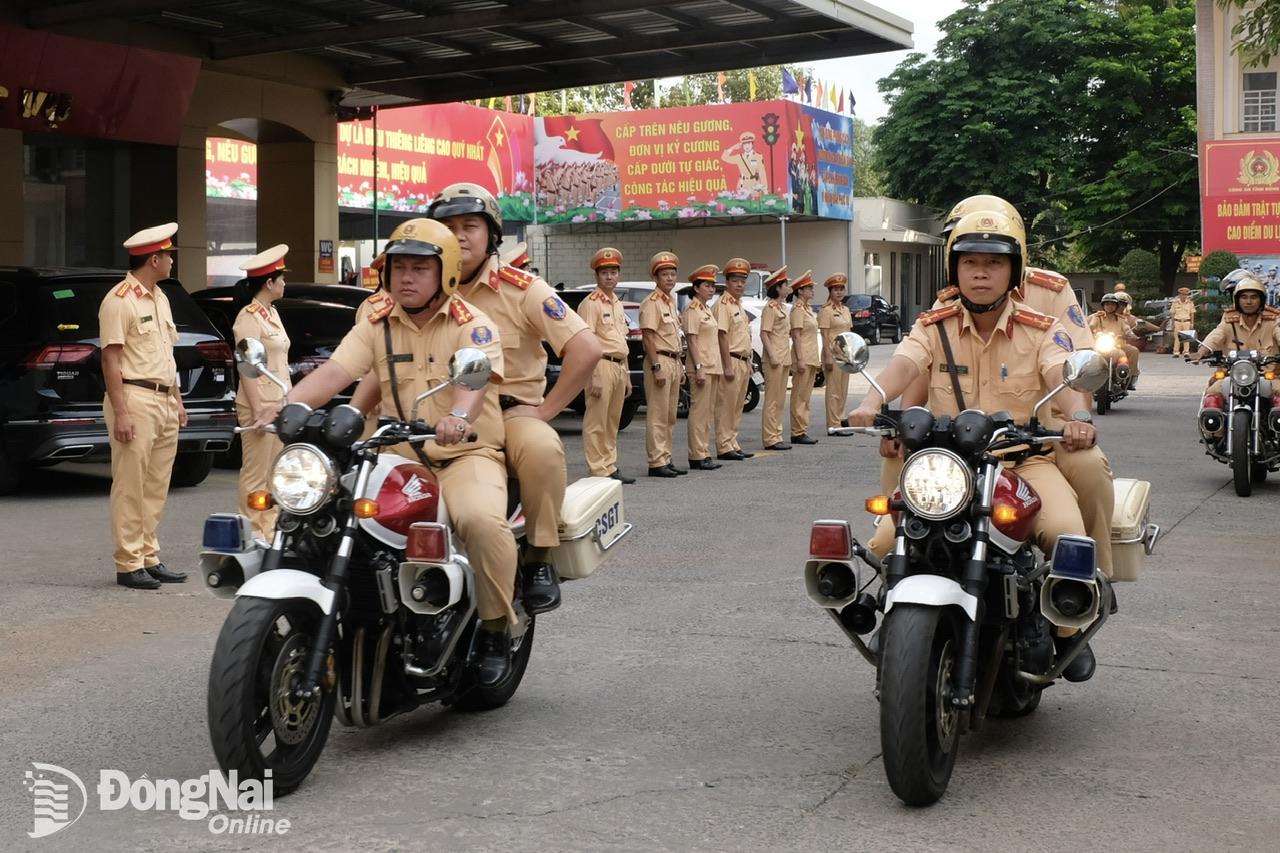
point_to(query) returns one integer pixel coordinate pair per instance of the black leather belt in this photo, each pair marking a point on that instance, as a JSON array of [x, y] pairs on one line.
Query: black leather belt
[[739, 357], [506, 402], [150, 386], [668, 353], [616, 359]]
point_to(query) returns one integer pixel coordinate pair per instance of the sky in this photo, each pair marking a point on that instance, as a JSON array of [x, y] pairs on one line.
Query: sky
[[860, 73]]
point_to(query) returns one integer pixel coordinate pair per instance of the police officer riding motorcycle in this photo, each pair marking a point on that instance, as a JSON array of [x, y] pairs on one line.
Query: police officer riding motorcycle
[[1111, 341]]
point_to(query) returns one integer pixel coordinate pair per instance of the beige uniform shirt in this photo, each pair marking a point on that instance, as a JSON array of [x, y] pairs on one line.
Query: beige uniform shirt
[[731, 318], [1117, 324], [1045, 292], [422, 361], [263, 322], [142, 324], [834, 319], [1263, 335], [527, 311], [657, 313], [700, 325], [1020, 363], [603, 314], [1183, 310], [802, 318], [775, 327]]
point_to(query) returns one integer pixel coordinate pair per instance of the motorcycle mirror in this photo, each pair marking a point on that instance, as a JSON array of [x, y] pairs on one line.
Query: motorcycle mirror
[[850, 352], [1085, 371], [470, 368], [1189, 336], [251, 357]]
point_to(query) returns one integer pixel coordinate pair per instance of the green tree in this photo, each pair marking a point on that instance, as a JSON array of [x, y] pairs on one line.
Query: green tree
[[692, 90], [1257, 32], [1140, 271], [868, 172], [1218, 264], [1135, 168]]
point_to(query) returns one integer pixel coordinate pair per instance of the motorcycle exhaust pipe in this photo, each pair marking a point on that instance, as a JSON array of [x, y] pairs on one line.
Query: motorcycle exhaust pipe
[[429, 588], [1212, 422]]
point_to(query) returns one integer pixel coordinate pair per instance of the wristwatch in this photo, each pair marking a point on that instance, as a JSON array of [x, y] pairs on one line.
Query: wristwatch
[[697, 367], [458, 413], [1080, 416]]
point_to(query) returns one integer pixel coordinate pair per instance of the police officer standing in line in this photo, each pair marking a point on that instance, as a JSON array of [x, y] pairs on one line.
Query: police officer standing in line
[[1003, 357], [775, 340], [703, 367], [259, 399], [143, 405], [527, 312], [660, 332], [407, 347], [610, 383], [735, 358], [834, 319], [1183, 313], [806, 360]]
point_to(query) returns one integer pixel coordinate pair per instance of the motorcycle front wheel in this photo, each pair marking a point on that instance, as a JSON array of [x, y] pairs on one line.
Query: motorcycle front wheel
[[255, 723], [919, 728], [1241, 469], [1102, 400]]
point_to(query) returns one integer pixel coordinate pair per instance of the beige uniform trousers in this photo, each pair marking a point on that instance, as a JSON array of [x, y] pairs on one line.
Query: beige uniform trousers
[[702, 410], [535, 457], [801, 394], [730, 396], [775, 398], [837, 391], [1084, 480], [600, 423], [1180, 346], [475, 491], [258, 451], [660, 416], [140, 472]]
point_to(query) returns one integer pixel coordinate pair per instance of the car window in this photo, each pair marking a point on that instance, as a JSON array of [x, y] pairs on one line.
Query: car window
[[858, 301], [315, 327], [70, 306]]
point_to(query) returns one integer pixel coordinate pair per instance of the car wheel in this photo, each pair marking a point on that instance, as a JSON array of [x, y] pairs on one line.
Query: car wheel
[[875, 334], [229, 458], [629, 408], [190, 469], [897, 334]]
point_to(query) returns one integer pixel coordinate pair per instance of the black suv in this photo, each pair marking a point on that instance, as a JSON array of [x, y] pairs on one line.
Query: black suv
[[316, 316], [874, 318], [51, 385]]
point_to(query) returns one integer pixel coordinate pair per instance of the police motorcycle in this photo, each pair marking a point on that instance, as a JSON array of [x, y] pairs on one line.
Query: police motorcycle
[[364, 604], [1116, 387], [1240, 426], [966, 602]]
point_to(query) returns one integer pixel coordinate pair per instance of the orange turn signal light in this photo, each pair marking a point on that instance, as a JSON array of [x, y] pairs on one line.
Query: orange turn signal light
[[260, 501], [365, 507], [1270, 376], [878, 505], [1004, 513], [1220, 374]]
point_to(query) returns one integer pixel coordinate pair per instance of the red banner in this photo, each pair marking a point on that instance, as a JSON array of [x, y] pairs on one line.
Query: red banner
[[230, 168], [423, 149], [50, 82], [1240, 196]]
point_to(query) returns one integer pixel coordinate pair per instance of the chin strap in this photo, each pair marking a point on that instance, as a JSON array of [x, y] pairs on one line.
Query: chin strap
[[974, 308]]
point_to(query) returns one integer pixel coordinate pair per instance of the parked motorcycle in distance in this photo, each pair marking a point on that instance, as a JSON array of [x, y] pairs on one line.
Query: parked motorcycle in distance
[[1240, 425], [966, 602], [364, 604]]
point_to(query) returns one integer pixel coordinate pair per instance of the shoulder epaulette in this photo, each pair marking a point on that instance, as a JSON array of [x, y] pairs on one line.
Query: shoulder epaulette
[[513, 276], [1230, 316], [1047, 279], [377, 298], [937, 315], [1271, 311], [458, 310], [948, 293], [122, 289], [381, 311], [1035, 319]]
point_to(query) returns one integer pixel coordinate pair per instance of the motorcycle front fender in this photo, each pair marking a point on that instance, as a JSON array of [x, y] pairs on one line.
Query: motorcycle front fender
[[281, 584], [932, 591]]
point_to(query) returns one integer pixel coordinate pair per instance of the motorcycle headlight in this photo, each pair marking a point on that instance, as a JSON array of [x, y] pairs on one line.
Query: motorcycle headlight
[[1104, 343], [936, 484], [302, 479], [1244, 373]]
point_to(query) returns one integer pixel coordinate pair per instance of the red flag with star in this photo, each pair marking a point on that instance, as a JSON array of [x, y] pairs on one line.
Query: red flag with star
[[585, 135], [501, 159]]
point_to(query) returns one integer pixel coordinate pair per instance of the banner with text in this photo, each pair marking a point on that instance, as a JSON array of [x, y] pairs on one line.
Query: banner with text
[[1240, 196], [230, 168], [690, 162], [423, 149]]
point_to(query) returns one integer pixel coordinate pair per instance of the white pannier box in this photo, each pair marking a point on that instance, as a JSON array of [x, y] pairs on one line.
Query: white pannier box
[[1132, 536], [591, 523]]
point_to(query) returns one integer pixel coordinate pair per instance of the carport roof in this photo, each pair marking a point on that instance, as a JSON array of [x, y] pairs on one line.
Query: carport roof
[[428, 51]]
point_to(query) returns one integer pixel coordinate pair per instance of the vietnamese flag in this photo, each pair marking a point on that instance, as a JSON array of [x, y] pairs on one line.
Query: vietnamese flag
[[501, 159], [580, 134]]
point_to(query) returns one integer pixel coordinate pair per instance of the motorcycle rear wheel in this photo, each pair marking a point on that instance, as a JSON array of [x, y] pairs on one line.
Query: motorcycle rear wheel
[[254, 724], [919, 729], [1241, 468], [488, 698]]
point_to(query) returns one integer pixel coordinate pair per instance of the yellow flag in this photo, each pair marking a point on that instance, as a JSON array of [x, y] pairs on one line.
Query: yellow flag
[[751, 84]]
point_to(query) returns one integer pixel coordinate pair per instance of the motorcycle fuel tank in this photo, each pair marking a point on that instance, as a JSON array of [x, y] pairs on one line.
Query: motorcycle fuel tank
[[406, 492], [1014, 507]]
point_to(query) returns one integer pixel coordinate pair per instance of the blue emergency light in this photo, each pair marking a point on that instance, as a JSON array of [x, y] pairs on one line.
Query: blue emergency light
[[1074, 557], [223, 532]]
